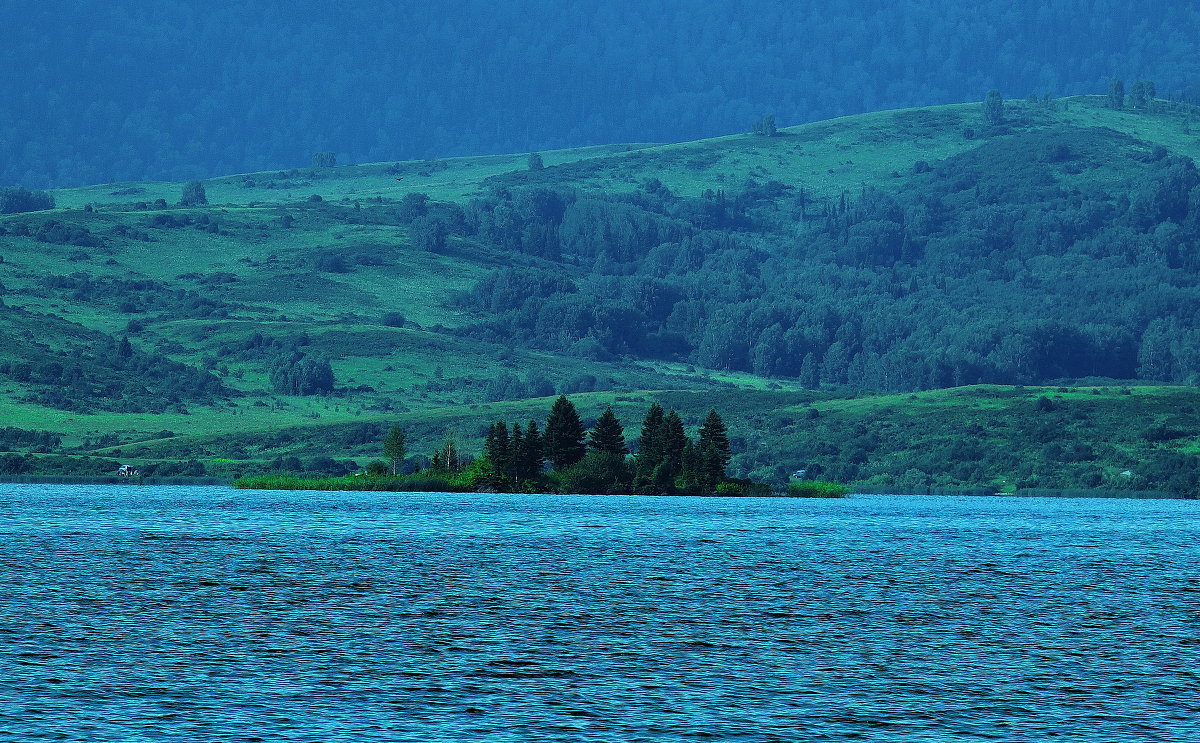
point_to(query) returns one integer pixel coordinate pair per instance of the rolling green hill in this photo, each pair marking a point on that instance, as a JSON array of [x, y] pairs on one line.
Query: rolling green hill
[[771, 276]]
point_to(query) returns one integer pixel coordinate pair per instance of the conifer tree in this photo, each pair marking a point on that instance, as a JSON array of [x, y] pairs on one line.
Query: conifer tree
[[690, 473], [649, 444], [650, 453], [712, 471], [529, 457], [562, 442], [497, 447], [673, 441], [394, 447], [516, 450], [714, 448], [608, 436]]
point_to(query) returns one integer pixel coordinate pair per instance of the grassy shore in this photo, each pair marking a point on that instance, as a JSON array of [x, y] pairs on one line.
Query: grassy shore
[[380, 483]]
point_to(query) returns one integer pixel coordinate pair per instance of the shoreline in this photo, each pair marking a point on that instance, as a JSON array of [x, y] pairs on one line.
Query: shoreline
[[1058, 493]]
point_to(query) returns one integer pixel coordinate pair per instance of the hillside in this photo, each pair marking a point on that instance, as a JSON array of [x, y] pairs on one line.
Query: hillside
[[894, 252]]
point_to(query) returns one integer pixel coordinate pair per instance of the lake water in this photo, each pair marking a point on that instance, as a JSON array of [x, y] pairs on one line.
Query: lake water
[[208, 614]]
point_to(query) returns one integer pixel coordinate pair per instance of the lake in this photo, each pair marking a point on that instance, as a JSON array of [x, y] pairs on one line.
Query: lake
[[210, 614]]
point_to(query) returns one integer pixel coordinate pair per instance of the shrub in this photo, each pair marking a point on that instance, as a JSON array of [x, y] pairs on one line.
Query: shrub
[[378, 468], [14, 200]]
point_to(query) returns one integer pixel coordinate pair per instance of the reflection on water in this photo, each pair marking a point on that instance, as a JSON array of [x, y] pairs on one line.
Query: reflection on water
[[190, 614]]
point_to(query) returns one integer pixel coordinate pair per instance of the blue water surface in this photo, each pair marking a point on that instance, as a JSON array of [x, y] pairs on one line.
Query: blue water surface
[[209, 614]]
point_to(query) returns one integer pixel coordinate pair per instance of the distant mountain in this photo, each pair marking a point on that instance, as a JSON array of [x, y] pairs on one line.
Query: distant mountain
[[185, 89]]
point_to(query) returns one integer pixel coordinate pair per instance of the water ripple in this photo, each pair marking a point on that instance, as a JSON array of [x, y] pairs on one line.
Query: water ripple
[[179, 614]]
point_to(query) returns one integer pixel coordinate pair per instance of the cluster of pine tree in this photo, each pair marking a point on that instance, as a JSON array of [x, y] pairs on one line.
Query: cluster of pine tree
[[598, 461]]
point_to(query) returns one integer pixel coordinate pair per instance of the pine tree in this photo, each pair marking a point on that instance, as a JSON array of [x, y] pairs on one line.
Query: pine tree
[[516, 450], [394, 447], [650, 453], [690, 473], [649, 444], [714, 448], [562, 442], [608, 436], [712, 471], [529, 458], [497, 447], [673, 441]]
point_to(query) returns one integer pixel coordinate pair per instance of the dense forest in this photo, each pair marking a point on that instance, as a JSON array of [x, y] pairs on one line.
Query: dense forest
[[179, 89], [959, 277]]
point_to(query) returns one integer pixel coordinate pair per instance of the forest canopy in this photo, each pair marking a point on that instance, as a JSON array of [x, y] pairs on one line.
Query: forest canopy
[[239, 87]]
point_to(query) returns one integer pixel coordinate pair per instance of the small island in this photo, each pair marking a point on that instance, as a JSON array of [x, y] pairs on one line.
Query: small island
[[561, 457]]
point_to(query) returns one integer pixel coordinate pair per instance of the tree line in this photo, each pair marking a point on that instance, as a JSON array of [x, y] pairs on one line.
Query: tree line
[[562, 456]]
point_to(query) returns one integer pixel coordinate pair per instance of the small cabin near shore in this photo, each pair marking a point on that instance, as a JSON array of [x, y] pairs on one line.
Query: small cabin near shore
[[127, 470]]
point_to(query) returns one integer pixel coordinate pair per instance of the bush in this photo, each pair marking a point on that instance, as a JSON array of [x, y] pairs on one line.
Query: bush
[[14, 200], [378, 468], [330, 263], [816, 489]]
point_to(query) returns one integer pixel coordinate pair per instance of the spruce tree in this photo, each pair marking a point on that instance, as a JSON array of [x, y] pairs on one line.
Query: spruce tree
[[650, 453], [394, 447], [690, 473], [608, 436], [497, 447], [673, 441], [712, 471], [516, 451], [649, 444], [530, 459], [562, 442], [714, 447]]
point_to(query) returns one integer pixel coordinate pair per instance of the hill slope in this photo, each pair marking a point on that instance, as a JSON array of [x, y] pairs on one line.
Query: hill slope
[[897, 251]]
